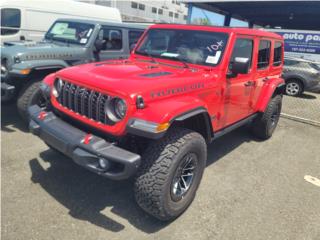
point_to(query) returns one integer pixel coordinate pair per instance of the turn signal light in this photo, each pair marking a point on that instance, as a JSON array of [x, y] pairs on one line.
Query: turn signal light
[[162, 127], [25, 71]]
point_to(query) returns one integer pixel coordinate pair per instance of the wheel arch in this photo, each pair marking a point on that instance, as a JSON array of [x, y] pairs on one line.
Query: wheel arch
[[197, 120], [274, 87]]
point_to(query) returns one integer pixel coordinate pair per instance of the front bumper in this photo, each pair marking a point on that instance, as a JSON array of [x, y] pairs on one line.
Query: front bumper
[[121, 164], [7, 91]]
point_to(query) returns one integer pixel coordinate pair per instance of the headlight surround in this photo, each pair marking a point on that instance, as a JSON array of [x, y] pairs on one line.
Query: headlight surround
[[57, 87], [16, 59], [116, 109]]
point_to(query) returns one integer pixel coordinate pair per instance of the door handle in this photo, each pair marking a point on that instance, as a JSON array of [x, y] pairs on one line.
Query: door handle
[[265, 79], [249, 83]]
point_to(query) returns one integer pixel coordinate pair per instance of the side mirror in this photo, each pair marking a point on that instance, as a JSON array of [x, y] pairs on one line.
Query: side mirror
[[132, 46], [239, 66], [98, 44]]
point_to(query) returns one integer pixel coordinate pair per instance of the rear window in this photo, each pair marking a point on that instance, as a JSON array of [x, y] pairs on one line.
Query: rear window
[[288, 62], [277, 54], [264, 54], [10, 21]]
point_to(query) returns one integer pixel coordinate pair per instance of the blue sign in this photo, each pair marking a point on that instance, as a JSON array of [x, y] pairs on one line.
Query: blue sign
[[298, 42]]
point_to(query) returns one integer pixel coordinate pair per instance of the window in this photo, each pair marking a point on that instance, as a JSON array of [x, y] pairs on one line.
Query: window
[[184, 45], [243, 48], [288, 62], [185, 17], [277, 54], [238, 23], [134, 5], [176, 15], [264, 54], [70, 32], [112, 37], [170, 14], [10, 18], [134, 36], [160, 11], [201, 16], [154, 10], [142, 6]]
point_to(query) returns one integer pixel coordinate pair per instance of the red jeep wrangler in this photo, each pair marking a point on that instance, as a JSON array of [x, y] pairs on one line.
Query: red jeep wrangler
[[151, 116]]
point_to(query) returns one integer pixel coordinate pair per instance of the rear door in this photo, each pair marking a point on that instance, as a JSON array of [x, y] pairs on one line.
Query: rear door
[[239, 89], [263, 67]]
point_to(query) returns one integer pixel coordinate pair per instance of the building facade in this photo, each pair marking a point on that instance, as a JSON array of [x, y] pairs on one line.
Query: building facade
[[166, 11]]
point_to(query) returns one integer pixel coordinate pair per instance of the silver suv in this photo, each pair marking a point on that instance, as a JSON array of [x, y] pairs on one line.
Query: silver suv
[[300, 75]]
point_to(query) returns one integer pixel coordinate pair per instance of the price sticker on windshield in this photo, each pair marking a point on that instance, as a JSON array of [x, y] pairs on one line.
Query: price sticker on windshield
[[214, 59], [83, 40]]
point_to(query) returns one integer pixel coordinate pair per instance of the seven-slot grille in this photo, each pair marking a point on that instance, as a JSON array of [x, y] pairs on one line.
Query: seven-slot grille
[[84, 101]]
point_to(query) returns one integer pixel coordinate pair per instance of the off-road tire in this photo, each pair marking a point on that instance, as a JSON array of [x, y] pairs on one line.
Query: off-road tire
[[265, 124], [299, 86], [161, 161], [27, 97]]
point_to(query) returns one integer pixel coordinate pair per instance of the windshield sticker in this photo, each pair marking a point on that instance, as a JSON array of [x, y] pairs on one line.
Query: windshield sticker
[[214, 59], [167, 54], [59, 28], [89, 32], [215, 47], [83, 40]]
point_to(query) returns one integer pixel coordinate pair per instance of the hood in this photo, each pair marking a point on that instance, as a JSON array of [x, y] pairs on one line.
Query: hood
[[29, 50], [130, 78]]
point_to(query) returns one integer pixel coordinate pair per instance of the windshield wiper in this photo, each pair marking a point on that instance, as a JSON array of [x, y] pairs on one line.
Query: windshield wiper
[[150, 56], [179, 59]]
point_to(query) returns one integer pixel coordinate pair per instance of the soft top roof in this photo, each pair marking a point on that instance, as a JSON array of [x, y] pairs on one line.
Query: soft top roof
[[244, 31]]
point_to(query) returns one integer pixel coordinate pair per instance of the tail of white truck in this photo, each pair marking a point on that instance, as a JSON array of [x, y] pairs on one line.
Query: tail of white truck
[[29, 20]]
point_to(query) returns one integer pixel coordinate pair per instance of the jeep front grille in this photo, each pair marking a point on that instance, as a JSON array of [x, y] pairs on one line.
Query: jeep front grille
[[84, 101]]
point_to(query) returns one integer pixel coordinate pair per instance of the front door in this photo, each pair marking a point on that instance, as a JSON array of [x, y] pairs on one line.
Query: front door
[[239, 88], [113, 46]]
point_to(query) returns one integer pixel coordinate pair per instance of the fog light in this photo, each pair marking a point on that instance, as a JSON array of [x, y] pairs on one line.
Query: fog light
[[104, 163]]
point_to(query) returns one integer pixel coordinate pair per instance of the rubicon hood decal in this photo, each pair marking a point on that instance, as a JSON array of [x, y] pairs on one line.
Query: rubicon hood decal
[[176, 90]]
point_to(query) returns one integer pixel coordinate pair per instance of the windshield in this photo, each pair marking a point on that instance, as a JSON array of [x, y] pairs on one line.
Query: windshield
[[197, 47], [70, 32]]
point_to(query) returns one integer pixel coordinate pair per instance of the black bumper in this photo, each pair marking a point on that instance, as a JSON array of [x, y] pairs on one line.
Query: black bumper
[[120, 163], [7, 91]]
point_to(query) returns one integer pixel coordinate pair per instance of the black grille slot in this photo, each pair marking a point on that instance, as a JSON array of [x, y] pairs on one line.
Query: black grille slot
[[84, 101]]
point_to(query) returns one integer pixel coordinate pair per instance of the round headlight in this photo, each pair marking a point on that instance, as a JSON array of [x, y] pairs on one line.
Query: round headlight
[[58, 85], [116, 109], [120, 108]]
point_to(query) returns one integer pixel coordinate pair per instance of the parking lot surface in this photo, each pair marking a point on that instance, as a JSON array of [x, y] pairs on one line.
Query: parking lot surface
[[305, 107], [250, 190]]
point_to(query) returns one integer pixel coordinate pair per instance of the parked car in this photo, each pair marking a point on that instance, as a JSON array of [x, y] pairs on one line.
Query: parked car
[[68, 42], [152, 115], [300, 75], [30, 20]]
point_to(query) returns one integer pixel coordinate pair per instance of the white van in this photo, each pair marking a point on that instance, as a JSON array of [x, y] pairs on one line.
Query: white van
[[30, 19]]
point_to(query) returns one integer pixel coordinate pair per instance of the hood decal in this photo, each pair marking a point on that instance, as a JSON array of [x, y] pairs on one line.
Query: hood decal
[[156, 74]]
